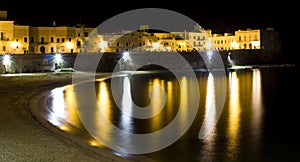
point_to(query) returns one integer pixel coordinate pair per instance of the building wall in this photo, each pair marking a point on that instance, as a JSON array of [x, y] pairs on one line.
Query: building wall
[[6, 36], [57, 39], [18, 39], [248, 39], [21, 39]]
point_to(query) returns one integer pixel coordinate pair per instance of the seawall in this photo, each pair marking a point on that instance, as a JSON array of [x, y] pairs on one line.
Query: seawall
[[30, 63]]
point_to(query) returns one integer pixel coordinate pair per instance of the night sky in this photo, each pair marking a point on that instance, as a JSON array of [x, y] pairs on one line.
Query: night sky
[[214, 15]]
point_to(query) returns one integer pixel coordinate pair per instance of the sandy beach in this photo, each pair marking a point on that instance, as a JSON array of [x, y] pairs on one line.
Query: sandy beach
[[22, 137]]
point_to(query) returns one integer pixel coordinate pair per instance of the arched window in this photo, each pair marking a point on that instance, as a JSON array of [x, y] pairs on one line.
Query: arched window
[[42, 49]]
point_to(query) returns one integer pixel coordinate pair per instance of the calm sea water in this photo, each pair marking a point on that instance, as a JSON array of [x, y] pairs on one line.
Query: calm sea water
[[259, 120]]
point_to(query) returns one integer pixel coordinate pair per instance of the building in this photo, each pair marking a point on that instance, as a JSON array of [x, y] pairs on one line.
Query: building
[[57, 39], [20, 39], [13, 38], [249, 39]]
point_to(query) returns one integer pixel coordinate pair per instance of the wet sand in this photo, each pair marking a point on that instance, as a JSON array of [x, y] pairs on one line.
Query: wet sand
[[23, 137]]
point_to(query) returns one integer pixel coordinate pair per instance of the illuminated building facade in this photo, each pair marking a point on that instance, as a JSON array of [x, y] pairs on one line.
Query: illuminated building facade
[[13, 38], [61, 39], [18, 39]]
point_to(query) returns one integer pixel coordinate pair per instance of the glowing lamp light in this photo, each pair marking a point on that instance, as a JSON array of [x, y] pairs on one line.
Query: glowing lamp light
[[69, 45], [126, 56], [234, 45], [6, 59], [208, 45], [15, 44], [103, 45], [58, 58], [209, 54], [155, 45], [255, 44]]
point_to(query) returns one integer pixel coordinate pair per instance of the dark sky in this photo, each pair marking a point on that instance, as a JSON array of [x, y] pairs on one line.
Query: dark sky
[[218, 17], [214, 15]]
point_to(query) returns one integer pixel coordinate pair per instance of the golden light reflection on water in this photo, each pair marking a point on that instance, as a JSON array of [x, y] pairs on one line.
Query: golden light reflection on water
[[234, 114], [104, 106], [257, 105], [71, 110], [57, 113], [63, 109], [156, 100], [184, 99], [210, 105], [210, 115], [170, 99]]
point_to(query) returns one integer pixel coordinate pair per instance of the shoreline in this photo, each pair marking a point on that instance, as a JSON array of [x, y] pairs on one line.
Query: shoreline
[[22, 137], [38, 104]]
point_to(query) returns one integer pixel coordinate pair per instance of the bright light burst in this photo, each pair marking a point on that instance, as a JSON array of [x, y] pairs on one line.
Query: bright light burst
[[6, 59], [126, 56]]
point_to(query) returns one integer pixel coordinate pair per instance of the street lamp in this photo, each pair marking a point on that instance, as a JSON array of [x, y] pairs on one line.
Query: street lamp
[[58, 61], [6, 61]]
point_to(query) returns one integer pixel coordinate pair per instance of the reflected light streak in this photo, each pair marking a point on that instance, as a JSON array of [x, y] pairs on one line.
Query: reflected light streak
[[234, 113], [210, 107], [156, 101], [183, 101], [210, 116], [103, 99], [126, 121], [70, 103], [103, 107], [256, 102], [170, 99], [58, 114]]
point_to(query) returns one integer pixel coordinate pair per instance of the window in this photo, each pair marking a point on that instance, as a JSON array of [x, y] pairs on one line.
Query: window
[[57, 40], [51, 39], [31, 39], [78, 34], [42, 40], [240, 38], [52, 49], [25, 39], [78, 43], [3, 48], [86, 34], [62, 39], [70, 39], [17, 40]]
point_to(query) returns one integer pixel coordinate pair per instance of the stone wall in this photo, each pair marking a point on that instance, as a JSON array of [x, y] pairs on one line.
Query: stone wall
[[26, 63]]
